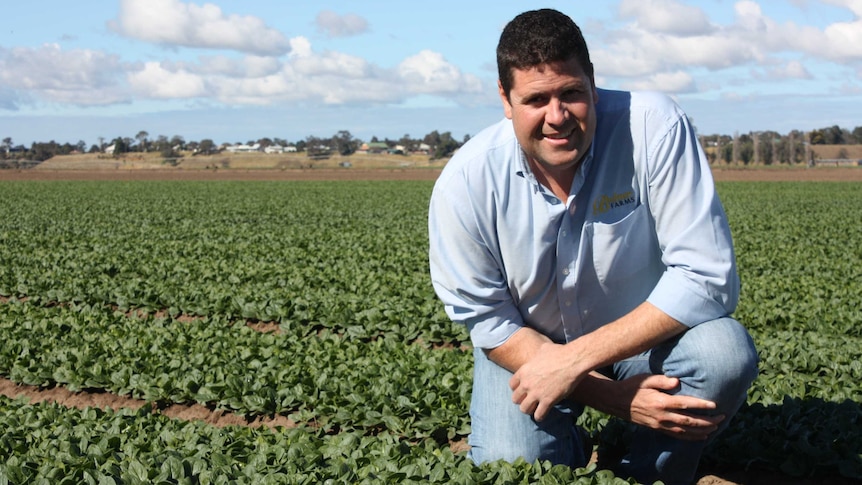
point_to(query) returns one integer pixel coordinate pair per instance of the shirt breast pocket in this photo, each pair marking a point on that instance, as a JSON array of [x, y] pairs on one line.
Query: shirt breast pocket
[[622, 249]]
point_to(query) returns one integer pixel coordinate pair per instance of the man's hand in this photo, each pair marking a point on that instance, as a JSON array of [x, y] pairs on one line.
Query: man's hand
[[675, 415], [544, 380]]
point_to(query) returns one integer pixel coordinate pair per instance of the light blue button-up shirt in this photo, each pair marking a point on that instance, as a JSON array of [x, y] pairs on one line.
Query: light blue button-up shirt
[[642, 223]]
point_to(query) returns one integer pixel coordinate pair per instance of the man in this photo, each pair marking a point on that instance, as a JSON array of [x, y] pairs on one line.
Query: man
[[582, 243]]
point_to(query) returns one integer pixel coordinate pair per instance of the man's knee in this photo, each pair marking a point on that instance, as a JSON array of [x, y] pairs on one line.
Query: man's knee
[[715, 360]]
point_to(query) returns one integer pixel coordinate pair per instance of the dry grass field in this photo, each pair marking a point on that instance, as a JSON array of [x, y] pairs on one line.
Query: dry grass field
[[298, 166]]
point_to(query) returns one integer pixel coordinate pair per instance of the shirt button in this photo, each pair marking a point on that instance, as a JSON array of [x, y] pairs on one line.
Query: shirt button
[[566, 271], [568, 303]]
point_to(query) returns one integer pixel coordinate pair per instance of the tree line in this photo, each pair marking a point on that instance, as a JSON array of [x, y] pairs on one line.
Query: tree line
[[761, 147], [770, 147], [439, 145]]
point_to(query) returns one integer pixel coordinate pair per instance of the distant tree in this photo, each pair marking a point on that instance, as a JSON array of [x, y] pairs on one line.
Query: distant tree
[[120, 146], [446, 146], [832, 135], [734, 158], [344, 143], [161, 143], [142, 140], [318, 147], [7, 146], [177, 142], [206, 147], [857, 135], [432, 139]]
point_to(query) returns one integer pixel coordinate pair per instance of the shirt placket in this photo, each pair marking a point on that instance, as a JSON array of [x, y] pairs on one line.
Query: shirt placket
[[568, 240]]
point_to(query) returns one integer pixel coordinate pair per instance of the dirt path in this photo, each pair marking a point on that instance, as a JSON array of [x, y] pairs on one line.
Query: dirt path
[[820, 174]]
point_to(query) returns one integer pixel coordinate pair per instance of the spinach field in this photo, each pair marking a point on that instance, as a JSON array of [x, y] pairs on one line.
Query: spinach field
[[156, 290]]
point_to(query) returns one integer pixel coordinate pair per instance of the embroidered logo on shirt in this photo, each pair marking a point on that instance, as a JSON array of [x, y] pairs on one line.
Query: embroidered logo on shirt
[[606, 203]]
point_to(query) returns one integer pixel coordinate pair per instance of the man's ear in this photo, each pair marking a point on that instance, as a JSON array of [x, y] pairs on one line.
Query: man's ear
[[507, 106]]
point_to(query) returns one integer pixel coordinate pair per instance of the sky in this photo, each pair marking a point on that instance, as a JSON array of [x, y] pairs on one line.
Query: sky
[[236, 71]]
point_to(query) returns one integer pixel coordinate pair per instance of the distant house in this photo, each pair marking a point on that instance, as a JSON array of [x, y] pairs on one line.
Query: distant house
[[242, 148], [374, 147], [110, 150], [274, 149], [290, 149]]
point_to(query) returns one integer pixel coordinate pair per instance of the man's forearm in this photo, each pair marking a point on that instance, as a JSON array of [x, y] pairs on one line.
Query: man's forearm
[[520, 348], [549, 373], [595, 391], [636, 332]]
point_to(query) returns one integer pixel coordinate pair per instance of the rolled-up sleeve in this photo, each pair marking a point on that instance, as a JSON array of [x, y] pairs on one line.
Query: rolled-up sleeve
[[701, 281], [465, 270]]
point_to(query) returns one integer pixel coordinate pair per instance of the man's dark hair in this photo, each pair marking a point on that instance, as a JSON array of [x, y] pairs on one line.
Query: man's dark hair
[[539, 37]]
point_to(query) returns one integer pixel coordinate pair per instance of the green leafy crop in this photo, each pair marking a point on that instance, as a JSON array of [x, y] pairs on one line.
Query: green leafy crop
[[146, 290]]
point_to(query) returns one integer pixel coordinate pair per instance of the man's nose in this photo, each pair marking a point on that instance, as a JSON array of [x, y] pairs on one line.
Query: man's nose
[[557, 113]]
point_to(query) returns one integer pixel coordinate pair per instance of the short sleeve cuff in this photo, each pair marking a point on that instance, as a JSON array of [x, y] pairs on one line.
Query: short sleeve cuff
[[684, 300], [493, 331]]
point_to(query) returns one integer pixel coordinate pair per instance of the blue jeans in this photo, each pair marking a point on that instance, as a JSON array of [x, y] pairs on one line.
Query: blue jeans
[[715, 360]]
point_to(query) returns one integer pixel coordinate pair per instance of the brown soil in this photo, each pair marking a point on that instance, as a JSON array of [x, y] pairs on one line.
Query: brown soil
[[229, 174], [102, 400], [217, 417]]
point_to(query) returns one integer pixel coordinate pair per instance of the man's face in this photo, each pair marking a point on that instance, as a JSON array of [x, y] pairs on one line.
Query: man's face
[[552, 107]]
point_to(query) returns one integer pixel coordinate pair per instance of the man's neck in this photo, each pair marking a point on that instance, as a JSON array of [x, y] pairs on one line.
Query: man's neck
[[558, 181]]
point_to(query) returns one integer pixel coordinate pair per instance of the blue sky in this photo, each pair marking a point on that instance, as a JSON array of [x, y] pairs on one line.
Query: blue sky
[[235, 71]]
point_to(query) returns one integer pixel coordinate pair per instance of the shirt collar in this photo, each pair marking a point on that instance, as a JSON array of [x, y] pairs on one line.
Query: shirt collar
[[522, 169]]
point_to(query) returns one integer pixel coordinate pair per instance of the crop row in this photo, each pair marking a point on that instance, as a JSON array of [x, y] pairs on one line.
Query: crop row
[[327, 380], [53, 445], [304, 255]]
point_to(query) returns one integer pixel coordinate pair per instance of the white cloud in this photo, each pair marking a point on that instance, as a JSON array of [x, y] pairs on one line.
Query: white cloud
[[303, 76], [854, 6], [640, 53], [664, 36], [844, 40], [300, 47], [174, 23], [839, 41], [79, 77], [790, 70], [429, 72], [678, 82], [157, 81], [334, 25], [248, 66], [332, 64], [666, 16]]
